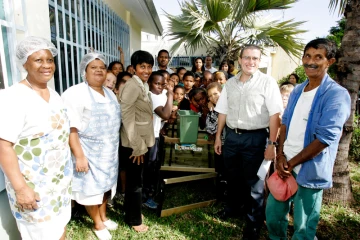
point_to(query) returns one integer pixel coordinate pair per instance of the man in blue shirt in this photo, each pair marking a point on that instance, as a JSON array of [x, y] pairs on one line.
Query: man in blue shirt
[[309, 137]]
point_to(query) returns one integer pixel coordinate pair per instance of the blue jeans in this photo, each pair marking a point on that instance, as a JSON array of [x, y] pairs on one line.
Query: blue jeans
[[307, 205]]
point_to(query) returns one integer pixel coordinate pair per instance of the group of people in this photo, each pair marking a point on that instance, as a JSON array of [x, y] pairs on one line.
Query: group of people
[[106, 131]]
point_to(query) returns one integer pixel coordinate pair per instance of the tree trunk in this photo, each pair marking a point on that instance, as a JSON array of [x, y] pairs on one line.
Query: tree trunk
[[348, 76]]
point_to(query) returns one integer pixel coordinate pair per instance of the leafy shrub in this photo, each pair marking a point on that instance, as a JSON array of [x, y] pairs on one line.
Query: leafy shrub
[[355, 141], [299, 71]]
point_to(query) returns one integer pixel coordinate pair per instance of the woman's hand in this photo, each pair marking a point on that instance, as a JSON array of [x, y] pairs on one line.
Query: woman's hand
[[26, 198], [82, 165], [137, 159], [170, 87], [174, 108], [210, 106]]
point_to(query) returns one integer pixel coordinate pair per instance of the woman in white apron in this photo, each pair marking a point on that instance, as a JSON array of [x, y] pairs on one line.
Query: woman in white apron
[[94, 114], [34, 147]]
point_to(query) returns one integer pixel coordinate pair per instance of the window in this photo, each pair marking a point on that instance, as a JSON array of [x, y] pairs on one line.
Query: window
[[78, 26], [9, 27]]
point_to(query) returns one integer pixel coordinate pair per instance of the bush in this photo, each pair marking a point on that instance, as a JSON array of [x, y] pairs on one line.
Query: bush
[[299, 71]]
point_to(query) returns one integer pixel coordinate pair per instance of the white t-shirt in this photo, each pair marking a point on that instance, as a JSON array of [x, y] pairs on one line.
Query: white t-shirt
[[78, 102], [169, 70], [24, 113], [212, 69], [157, 101], [294, 142]]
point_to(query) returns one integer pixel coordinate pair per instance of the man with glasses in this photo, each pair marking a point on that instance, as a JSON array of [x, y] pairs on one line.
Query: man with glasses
[[249, 108], [163, 61]]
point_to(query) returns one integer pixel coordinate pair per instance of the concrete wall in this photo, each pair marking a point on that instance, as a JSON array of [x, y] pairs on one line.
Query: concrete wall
[[8, 229], [38, 23], [282, 65], [135, 28]]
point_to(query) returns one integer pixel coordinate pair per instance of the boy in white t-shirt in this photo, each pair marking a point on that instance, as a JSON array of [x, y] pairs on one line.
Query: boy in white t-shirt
[[162, 106]]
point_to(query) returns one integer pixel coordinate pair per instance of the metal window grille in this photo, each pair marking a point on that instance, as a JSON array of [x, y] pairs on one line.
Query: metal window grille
[[9, 73], [77, 26]]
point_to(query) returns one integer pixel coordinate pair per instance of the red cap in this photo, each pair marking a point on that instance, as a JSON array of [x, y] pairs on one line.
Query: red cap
[[282, 189]]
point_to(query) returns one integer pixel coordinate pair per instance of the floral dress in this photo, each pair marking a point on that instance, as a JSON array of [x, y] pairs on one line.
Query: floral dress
[[40, 133]]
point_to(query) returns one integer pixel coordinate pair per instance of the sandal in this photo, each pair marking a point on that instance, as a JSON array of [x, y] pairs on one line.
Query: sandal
[[140, 229], [103, 234], [110, 225]]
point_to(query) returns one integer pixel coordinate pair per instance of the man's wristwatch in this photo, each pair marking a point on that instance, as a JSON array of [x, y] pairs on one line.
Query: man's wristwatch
[[272, 143]]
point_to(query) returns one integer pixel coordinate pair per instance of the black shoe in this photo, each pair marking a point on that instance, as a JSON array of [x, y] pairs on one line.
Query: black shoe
[[225, 214], [251, 233]]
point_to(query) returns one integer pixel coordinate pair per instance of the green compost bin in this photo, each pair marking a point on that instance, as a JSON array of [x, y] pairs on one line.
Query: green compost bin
[[187, 126]]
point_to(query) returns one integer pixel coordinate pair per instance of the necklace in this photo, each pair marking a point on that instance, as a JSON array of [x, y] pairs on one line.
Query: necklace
[[29, 84]]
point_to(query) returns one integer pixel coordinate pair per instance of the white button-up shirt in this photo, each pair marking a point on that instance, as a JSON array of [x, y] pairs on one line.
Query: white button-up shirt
[[249, 105]]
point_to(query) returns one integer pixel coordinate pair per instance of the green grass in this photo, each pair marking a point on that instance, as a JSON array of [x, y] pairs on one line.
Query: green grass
[[336, 221]]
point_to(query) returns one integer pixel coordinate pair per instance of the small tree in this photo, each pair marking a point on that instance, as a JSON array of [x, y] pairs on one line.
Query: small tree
[[224, 26]]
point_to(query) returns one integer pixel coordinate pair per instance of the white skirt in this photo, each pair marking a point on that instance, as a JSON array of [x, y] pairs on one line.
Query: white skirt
[[82, 199], [49, 230]]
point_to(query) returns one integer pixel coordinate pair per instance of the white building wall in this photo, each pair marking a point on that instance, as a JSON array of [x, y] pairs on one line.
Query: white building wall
[[135, 28]]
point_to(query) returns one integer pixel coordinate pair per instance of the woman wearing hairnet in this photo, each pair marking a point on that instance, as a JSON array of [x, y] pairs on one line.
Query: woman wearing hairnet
[[94, 114], [34, 150]]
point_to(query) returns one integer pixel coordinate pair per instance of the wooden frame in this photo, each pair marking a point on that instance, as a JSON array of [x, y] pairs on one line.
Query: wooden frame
[[202, 173], [184, 208]]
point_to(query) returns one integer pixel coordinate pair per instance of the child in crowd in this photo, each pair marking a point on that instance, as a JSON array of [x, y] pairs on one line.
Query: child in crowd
[[197, 103], [166, 75], [175, 78], [116, 67], [189, 81], [162, 106], [179, 94], [224, 65], [120, 81], [285, 89], [213, 92], [110, 81], [198, 77], [207, 79], [130, 69], [170, 84], [221, 77], [181, 71]]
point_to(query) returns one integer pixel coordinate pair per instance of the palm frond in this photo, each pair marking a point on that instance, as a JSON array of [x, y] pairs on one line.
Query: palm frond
[[232, 23], [333, 4], [265, 5], [274, 33]]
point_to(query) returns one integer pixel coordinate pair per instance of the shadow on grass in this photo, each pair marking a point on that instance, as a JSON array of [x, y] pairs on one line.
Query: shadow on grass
[[336, 221]]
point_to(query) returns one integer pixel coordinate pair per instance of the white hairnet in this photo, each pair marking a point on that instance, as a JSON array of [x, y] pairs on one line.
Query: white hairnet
[[87, 58], [30, 45]]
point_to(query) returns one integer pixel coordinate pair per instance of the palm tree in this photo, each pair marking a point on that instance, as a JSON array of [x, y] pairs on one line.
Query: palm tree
[[348, 75], [226, 25]]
